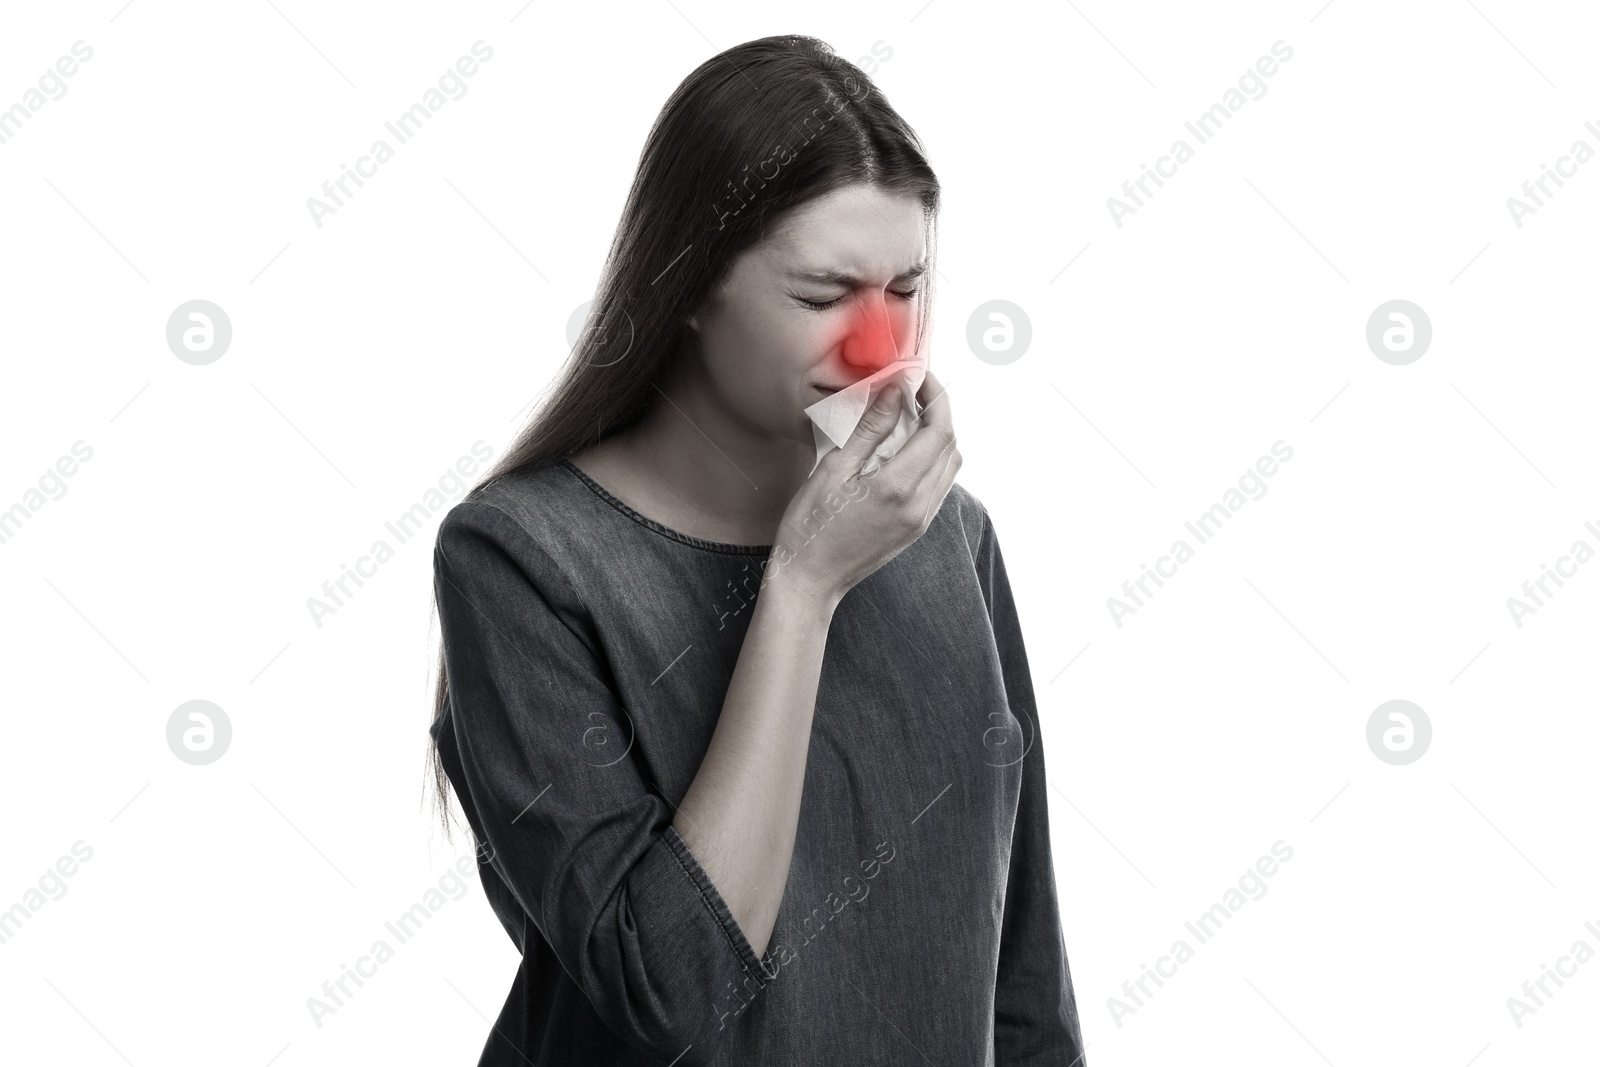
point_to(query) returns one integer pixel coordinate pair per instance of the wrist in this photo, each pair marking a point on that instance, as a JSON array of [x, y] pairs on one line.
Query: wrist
[[792, 595]]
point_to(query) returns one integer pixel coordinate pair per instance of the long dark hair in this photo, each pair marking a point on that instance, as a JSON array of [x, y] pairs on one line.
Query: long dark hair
[[751, 135]]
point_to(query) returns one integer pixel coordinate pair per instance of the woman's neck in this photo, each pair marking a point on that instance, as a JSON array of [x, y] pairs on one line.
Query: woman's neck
[[692, 458]]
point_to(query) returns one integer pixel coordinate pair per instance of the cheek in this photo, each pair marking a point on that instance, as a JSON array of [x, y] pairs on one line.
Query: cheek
[[761, 369], [778, 354]]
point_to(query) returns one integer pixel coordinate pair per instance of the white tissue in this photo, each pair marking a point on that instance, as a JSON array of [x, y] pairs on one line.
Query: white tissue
[[835, 417]]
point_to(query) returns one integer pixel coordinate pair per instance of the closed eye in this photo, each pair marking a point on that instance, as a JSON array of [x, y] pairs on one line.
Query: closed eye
[[825, 305]]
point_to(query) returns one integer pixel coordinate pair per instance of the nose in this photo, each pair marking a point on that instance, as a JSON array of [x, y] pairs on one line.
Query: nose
[[869, 343]]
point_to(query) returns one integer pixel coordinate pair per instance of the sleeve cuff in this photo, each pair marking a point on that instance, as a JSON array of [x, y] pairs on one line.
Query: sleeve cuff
[[718, 907]]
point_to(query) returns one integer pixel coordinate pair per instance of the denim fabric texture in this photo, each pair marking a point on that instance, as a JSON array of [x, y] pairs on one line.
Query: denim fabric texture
[[589, 649]]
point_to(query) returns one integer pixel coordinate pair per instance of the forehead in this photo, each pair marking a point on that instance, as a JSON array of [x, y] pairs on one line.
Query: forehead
[[858, 228]]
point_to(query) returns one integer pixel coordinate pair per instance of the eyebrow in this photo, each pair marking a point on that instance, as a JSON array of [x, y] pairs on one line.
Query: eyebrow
[[839, 277]]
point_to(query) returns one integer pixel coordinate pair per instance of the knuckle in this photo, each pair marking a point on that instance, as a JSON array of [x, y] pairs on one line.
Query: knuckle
[[896, 493]]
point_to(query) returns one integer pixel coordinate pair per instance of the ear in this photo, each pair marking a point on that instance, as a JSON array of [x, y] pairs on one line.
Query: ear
[[694, 323]]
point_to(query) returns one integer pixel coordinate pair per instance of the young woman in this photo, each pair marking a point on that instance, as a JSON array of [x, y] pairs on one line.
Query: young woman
[[749, 750]]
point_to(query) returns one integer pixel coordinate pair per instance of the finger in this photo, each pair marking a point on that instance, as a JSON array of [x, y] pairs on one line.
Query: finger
[[948, 463], [935, 401], [931, 438], [875, 425]]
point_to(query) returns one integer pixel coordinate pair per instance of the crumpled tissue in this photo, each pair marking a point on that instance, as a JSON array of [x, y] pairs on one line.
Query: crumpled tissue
[[835, 417]]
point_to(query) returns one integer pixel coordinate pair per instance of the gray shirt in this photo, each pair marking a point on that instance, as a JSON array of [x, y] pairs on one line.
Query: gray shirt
[[589, 649]]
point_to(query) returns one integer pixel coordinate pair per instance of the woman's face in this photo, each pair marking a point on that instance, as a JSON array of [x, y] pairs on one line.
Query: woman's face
[[829, 298]]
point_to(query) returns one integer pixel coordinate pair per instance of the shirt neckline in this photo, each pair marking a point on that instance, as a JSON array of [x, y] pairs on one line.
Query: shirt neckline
[[650, 524]]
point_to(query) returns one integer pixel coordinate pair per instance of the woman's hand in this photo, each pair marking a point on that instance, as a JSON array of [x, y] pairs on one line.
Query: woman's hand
[[842, 525]]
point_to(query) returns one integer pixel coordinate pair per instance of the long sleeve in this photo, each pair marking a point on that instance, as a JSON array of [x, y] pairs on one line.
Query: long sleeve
[[589, 853], [1035, 1011]]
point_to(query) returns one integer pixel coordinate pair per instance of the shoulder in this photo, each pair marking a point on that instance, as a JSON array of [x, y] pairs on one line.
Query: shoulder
[[534, 500], [507, 546], [495, 572], [970, 519], [525, 514]]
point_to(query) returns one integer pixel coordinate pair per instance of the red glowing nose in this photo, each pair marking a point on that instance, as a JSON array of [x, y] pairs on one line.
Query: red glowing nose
[[869, 342]]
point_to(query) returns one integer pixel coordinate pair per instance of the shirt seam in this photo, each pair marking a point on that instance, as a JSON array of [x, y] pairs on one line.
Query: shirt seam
[[674, 843], [560, 573]]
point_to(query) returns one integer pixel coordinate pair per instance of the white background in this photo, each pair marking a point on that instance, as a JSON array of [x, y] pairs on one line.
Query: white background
[[1227, 314]]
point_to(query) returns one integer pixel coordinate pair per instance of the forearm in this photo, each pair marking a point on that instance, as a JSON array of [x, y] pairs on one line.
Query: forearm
[[740, 813]]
